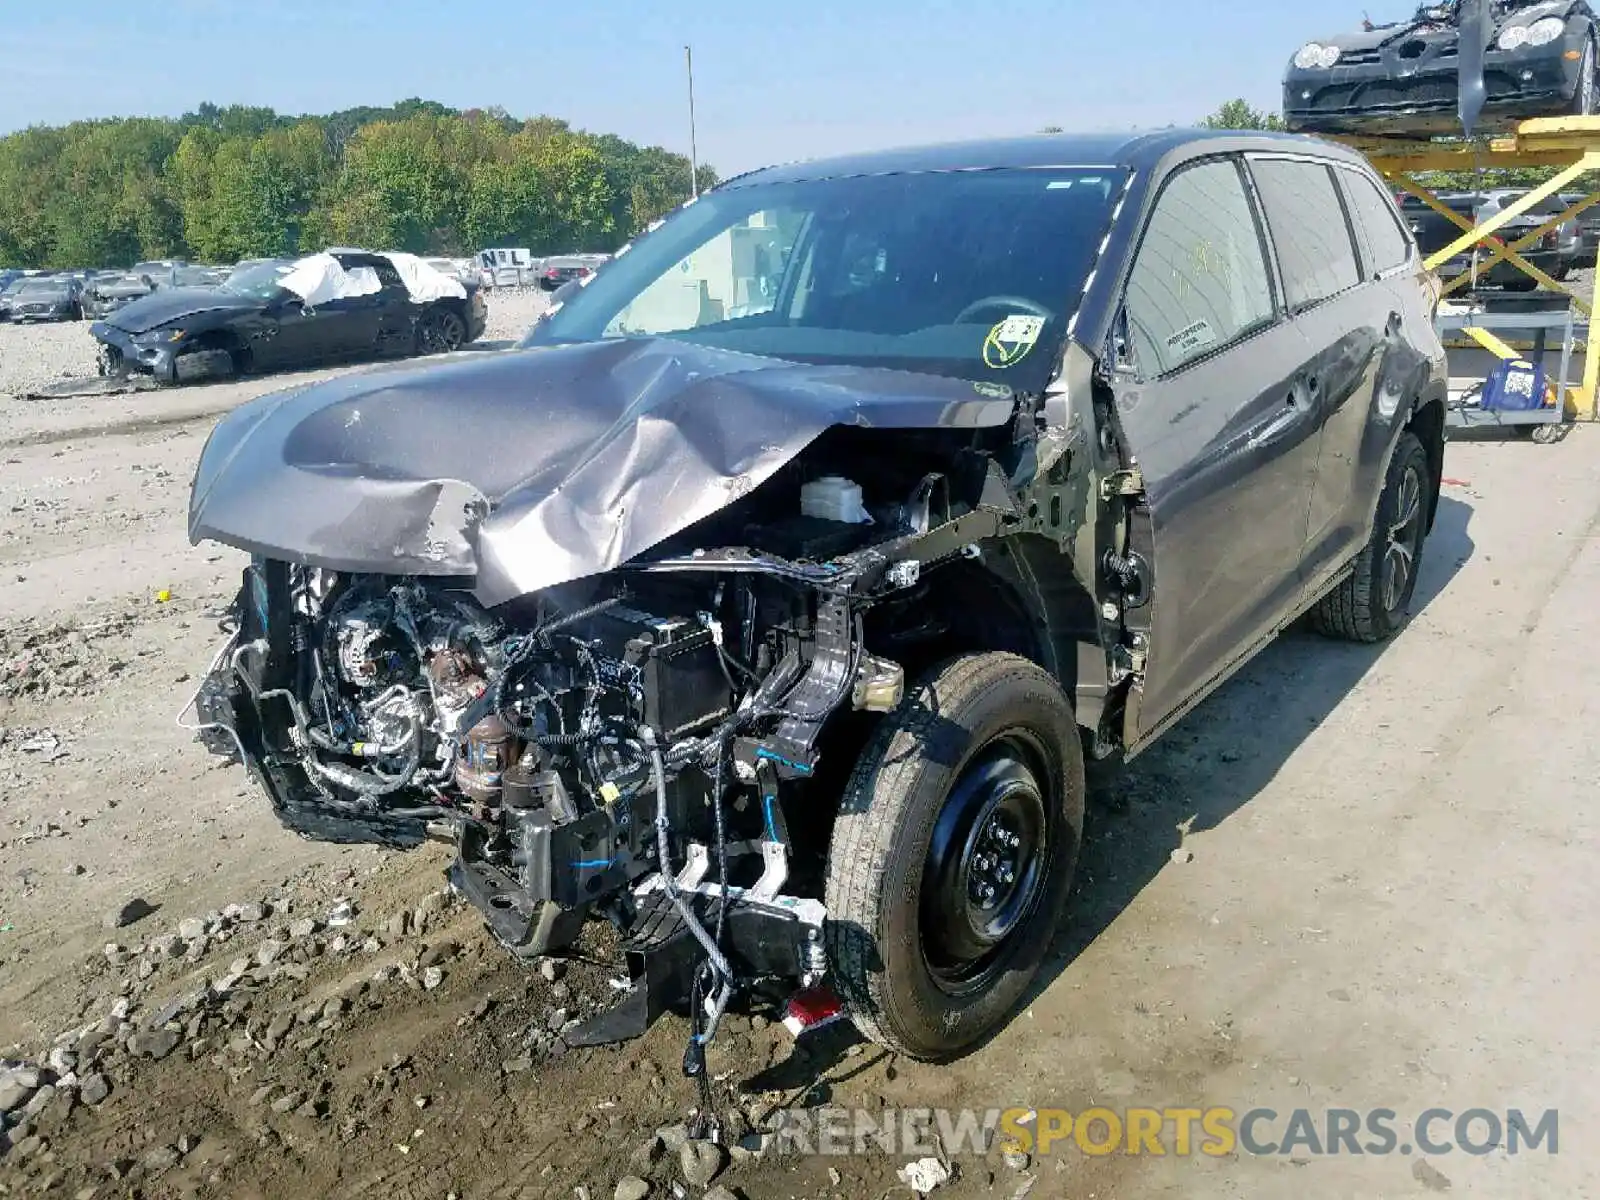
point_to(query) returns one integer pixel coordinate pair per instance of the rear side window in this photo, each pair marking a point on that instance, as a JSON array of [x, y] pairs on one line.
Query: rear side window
[[1387, 244], [1200, 279], [1308, 228]]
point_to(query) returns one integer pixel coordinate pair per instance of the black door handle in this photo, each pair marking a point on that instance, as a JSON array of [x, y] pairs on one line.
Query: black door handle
[[1392, 329]]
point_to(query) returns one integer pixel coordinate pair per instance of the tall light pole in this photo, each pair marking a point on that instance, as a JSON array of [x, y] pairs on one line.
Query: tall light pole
[[694, 163]]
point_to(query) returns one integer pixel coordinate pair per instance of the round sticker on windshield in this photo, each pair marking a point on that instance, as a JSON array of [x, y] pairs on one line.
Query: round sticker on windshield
[[1010, 341]]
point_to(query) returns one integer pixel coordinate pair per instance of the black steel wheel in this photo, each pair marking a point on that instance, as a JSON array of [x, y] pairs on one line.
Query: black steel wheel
[[440, 332], [983, 873], [953, 853]]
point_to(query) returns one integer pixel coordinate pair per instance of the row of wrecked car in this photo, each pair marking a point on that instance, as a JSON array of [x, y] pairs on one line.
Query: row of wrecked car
[[1570, 246], [168, 322], [83, 295], [516, 266], [288, 313]]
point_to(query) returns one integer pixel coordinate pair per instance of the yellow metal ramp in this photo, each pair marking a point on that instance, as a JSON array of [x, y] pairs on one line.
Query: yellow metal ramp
[[1571, 145]]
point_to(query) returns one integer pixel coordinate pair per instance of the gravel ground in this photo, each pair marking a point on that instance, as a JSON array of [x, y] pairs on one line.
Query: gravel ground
[[1387, 900]]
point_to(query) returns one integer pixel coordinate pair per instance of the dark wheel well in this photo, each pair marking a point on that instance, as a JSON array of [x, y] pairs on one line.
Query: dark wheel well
[[973, 611], [447, 304], [214, 339], [1020, 596], [1427, 423]]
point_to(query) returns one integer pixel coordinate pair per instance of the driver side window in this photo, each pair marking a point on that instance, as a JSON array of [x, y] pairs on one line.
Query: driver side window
[[1200, 278]]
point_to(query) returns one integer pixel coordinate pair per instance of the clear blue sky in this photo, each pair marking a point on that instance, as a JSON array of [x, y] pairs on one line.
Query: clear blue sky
[[773, 81]]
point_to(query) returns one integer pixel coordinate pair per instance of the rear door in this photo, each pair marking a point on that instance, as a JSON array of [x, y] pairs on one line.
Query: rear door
[[1220, 425], [397, 312], [1346, 317], [1356, 436], [349, 326]]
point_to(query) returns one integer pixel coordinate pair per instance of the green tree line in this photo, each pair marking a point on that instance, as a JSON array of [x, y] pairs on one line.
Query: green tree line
[[225, 183]]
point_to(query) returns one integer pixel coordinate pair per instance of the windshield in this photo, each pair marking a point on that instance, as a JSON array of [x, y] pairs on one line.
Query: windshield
[[973, 274], [37, 287], [259, 281]]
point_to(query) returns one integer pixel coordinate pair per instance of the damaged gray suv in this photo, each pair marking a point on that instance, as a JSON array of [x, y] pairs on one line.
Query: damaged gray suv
[[766, 602]]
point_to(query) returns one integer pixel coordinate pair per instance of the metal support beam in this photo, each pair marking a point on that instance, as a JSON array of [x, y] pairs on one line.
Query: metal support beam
[[1588, 162], [1585, 403], [1571, 144]]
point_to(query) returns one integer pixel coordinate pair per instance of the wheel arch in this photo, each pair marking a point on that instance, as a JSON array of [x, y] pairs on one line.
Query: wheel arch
[[1021, 595], [1427, 423], [218, 337]]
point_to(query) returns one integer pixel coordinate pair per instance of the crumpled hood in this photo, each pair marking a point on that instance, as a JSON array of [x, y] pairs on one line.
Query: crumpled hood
[[529, 468], [165, 305]]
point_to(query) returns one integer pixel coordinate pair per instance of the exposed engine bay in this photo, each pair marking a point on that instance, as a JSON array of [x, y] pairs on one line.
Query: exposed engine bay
[[574, 745], [632, 746], [634, 649]]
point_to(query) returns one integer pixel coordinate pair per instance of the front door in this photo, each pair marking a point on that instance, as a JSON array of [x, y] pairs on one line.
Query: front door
[[348, 326], [282, 335], [1219, 418]]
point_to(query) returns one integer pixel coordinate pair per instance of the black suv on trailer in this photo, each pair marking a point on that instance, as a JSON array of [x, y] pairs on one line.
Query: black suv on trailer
[[767, 603]]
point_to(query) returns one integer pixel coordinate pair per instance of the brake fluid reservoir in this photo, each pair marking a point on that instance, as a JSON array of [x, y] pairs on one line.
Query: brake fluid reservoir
[[834, 498]]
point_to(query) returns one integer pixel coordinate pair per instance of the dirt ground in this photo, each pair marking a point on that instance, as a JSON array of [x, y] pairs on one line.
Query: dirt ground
[[1387, 904]]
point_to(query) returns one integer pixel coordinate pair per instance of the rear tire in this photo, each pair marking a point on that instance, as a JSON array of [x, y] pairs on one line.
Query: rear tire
[[953, 853], [440, 332], [1370, 604]]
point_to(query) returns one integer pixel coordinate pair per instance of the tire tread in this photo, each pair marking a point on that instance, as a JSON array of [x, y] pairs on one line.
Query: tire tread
[[870, 817], [1351, 610]]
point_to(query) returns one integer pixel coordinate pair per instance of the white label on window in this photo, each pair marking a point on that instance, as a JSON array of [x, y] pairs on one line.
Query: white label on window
[[1191, 337], [1023, 330]]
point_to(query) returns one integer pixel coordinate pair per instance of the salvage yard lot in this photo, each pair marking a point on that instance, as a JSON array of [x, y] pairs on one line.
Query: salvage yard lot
[[1389, 903]]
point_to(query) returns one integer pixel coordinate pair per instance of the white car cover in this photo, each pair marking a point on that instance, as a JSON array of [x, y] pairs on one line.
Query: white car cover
[[320, 278], [423, 281]]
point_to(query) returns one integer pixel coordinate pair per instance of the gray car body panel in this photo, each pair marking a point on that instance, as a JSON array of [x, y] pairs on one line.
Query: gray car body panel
[[1245, 466], [531, 468]]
